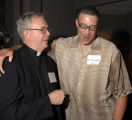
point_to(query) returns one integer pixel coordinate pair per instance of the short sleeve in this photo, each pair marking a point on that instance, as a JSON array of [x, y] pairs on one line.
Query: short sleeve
[[121, 85]]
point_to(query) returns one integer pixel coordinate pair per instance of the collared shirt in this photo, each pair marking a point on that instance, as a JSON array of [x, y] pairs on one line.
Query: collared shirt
[[93, 80]]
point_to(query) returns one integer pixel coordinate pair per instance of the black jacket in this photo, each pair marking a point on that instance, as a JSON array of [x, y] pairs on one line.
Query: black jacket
[[25, 86]]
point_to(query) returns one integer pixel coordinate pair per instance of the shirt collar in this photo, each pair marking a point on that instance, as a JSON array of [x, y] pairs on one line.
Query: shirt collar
[[95, 45], [33, 52], [38, 53]]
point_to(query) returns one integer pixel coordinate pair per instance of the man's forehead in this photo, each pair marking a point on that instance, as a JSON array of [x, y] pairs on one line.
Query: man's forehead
[[36, 18], [82, 15], [88, 18], [39, 21]]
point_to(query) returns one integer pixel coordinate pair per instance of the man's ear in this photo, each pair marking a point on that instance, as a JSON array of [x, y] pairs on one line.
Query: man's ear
[[76, 22], [25, 33]]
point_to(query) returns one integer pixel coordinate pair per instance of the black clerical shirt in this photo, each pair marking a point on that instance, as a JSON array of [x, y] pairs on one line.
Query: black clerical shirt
[[25, 86]]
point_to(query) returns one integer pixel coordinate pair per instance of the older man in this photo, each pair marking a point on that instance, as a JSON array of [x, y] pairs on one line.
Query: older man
[[92, 71], [29, 90]]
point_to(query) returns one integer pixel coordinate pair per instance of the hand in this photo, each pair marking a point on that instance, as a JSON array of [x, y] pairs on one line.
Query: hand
[[3, 54], [57, 97]]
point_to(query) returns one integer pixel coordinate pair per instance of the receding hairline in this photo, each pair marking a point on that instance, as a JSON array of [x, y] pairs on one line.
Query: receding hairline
[[87, 14], [36, 17], [92, 11]]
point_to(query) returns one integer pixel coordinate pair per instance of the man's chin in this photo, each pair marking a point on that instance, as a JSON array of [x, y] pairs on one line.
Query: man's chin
[[86, 42], [45, 46]]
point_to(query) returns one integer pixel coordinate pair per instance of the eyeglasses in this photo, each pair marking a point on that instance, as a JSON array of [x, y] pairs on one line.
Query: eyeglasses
[[43, 30], [85, 27]]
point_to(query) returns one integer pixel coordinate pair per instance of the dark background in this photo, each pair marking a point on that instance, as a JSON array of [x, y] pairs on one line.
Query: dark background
[[115, 24]]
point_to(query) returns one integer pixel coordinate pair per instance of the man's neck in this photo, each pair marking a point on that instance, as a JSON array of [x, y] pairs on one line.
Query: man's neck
[[32, 46], [84, 48]]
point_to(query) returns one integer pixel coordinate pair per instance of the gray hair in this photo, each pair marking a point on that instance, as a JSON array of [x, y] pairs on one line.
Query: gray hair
[[24, 22]]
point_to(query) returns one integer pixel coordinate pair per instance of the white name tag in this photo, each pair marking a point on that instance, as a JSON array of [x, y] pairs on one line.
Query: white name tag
[[93, 59], [52, 77]]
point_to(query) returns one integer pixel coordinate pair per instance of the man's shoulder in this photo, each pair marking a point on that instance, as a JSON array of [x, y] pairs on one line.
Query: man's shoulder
[[15, 55], [107, 43], [10, 65], [64, 41]]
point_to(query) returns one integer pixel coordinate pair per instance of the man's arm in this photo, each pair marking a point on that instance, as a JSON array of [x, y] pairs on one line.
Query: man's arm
[[121, 85], [14, 48], [7, 52], [120, 107]]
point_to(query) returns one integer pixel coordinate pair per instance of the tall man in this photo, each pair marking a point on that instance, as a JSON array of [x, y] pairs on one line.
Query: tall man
[[92, 71], [29, 90]]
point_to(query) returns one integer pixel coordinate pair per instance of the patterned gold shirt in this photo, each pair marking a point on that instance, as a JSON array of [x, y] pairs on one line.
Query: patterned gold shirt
[[93, 80]]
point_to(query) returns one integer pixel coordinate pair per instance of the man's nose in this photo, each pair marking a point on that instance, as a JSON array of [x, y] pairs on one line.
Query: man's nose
[[87, 31], [47, 32]]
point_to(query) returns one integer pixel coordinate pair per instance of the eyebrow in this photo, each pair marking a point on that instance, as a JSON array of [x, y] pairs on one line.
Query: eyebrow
[[87, 25], [44, 27]]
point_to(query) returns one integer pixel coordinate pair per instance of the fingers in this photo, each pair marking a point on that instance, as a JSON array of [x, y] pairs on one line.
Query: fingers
[[57, 97], [1, 63], [2, 71], [3, 54], [10, 58], [61, 97]]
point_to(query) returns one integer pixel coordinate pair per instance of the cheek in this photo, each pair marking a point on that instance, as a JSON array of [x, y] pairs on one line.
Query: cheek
[[38, 37], [34, 36], [80, 31], [93, 33]]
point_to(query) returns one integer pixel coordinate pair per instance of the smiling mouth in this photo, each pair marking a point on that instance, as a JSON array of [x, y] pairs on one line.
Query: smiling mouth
[[86, 37]]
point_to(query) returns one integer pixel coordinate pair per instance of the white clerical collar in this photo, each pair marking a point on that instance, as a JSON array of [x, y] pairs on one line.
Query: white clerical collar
[[38, 53]]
